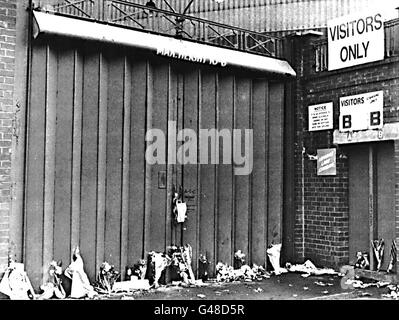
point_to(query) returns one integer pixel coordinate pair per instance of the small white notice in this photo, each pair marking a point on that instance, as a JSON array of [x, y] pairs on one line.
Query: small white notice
[[321, 117]]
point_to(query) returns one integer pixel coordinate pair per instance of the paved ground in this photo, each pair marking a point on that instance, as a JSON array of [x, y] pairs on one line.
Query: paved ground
[[289, 286]]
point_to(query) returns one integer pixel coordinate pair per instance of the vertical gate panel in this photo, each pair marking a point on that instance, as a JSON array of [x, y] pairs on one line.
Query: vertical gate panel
[[49, 161], [148, 167], [259, 173], [89, 160], [137, 161], [358, 201], [190, 171], [225, 103], [114, 159], [157, 226], [288, 254], [178, 180], [127, 80], [275, 188], [63, 155], [242, 190], [76, 148], [102, 159], [207, 192], [386, 197], [171, 168], [35, 168]]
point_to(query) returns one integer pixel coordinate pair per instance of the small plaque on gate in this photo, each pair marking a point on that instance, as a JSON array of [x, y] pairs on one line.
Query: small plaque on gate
[[162, 180]]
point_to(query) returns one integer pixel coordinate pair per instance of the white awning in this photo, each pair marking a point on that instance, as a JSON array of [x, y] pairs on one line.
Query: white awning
[[46, 23]]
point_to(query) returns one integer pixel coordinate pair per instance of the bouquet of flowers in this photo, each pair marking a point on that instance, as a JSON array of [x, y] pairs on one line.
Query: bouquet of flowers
[[106, 277]]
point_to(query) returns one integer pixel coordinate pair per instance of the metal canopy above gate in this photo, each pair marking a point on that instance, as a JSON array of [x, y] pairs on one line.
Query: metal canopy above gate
[[45, 23]]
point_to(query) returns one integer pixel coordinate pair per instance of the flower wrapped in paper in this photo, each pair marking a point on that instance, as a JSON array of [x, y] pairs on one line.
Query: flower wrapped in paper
[[106, 278], [53, 287], [378, 247], [392, 260], [81, 286], [181, 258], [16, 284]]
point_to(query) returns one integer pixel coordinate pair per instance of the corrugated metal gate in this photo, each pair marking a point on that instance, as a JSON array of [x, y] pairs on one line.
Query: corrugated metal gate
[[87, 181]]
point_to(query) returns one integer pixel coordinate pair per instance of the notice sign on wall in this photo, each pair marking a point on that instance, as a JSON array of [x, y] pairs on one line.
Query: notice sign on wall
[[321, 117], [326, 162], [354, 40], [361, 112]]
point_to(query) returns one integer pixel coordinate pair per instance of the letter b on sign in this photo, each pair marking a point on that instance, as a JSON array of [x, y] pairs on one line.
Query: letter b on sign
[[375, 118], [347, 121]]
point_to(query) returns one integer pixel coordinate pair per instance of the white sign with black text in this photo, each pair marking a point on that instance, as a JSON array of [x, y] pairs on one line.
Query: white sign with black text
[[355, 39], [361, 112], [321, 117]]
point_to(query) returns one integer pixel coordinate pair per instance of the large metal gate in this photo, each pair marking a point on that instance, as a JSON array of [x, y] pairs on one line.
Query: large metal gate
[[87, 182]]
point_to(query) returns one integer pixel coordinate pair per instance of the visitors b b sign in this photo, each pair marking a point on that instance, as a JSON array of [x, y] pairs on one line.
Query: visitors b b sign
[[355, 39], [361, 112]]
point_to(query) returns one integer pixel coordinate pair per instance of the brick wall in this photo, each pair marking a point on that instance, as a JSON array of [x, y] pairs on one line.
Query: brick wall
[[7, 69], [322, 203]]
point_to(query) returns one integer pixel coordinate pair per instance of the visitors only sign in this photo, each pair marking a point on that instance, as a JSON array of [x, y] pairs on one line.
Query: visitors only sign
[[321, 117], [355, 39], [361, 112]]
